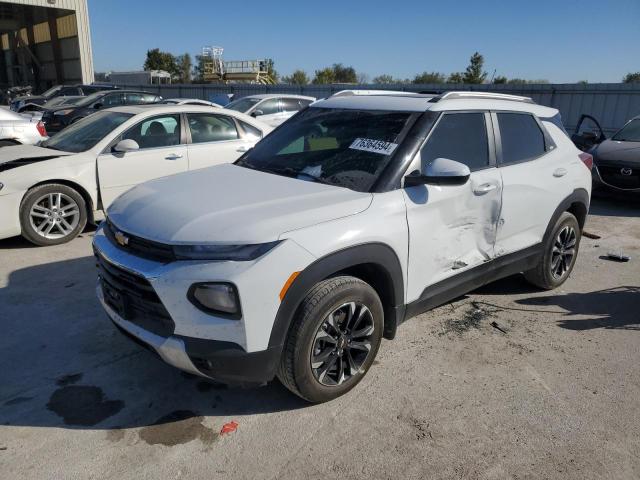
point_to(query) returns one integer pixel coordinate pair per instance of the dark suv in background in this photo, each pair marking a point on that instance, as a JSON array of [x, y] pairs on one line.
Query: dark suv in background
[[27, 103], [57, 118]]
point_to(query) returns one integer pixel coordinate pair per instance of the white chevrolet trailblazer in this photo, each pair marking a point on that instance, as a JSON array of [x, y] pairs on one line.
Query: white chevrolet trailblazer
[[49, 192], [355, 215]]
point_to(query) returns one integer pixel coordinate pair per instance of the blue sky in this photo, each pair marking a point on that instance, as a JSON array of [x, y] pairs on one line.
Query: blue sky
[[561, 40]]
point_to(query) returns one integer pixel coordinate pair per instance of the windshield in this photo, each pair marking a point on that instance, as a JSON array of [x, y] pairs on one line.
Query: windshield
[[51, 91], [62, 101], [89, 99], [629, 133], [346, 148], [242, 105], [83, 135]]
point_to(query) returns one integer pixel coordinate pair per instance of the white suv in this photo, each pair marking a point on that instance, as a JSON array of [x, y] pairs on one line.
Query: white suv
[[358, 214]]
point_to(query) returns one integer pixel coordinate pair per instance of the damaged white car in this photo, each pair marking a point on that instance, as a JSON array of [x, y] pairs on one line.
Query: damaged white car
[[354, 216], [49, 192]]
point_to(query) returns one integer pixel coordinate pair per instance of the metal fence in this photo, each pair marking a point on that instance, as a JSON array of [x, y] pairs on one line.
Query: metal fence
[[611, 103]]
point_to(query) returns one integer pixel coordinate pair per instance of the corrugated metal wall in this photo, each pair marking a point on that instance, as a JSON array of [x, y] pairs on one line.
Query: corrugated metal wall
[[611, 103]]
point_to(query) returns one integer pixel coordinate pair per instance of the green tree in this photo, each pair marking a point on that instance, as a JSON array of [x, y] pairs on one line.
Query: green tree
[[157, 60], [184, 67], [324, 76], [474, 72], [384, 78], [632, 78], [429, 77], [456, 77], [500, 79], [342, 74], [198, 69], [298, 77]]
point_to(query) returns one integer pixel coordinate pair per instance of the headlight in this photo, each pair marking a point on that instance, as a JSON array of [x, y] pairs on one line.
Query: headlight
[[238, 253], [63, 112], [216, 298]]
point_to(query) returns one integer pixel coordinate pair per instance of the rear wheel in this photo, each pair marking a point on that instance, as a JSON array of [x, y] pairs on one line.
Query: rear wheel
[[333, 340], [52, 214], [560, 253]]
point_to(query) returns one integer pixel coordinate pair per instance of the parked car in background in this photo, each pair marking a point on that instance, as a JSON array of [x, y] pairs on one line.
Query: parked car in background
[[49, 192], [617, 159], [59, 117], [27, 103], [356, 214], [272, 109], [17, 129], [189, 101]]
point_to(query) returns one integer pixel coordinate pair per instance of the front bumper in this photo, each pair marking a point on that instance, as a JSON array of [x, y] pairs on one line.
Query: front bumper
[[604, 179], [230, 351], [10, 214]]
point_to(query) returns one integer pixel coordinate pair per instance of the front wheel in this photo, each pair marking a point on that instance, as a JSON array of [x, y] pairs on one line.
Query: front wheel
[[52, 214], [334, 339], [559, 256]]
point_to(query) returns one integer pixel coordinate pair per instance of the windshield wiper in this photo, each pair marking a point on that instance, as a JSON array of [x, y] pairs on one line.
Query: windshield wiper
[[293, 173]]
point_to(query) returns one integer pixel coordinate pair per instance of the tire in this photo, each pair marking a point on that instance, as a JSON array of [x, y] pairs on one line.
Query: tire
[[346, 300], [555, 265], [41, 221]]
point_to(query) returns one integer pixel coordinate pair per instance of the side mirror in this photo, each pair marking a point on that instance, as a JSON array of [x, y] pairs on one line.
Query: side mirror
[[126, 145], [97, 106], [441, 171], [257, 113]]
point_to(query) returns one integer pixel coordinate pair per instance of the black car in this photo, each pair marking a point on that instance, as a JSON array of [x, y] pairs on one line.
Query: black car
[[32, 102], [57, 118], [616, 160]]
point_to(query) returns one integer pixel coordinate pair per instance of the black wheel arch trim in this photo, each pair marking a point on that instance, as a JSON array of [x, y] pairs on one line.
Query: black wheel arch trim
[[578, 199], [378, 255]]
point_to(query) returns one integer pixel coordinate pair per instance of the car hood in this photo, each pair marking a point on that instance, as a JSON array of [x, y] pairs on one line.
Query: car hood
[[31, 99], [612, 151], [229, 204], [19, 155]]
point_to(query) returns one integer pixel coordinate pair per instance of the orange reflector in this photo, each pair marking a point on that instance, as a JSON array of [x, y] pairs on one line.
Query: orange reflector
[[287, 284]]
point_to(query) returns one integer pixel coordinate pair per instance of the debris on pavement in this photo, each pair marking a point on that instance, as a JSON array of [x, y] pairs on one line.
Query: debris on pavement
[[617, 257], [229, 428], [495, 325], [591, 235]]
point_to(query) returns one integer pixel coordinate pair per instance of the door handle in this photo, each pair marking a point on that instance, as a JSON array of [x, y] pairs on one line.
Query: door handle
[[560, 172], [242, 148], [484, 188], [173, 156]]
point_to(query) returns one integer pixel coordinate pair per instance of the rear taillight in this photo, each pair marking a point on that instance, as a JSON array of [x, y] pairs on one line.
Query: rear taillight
[[587, 159], [41, 129]]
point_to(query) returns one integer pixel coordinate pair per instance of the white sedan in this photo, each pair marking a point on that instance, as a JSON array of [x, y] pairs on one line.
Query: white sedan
[[49, 192], [17, 129]]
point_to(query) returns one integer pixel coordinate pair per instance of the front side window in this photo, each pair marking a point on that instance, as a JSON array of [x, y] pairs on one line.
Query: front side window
[[342, 147], [211, 128], [629, 133], [112, 100], [68, 91], [162, 131], [242, 105], [291, 104], [85, 134], [521, 137], [461, 137], [268, 107]]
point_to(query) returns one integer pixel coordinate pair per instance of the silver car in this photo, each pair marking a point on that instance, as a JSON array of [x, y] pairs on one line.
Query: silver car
[[17, 129]]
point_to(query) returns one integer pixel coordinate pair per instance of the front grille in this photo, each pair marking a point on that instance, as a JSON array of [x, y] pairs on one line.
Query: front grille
[[613, 176], [133, 298], [140, 247]]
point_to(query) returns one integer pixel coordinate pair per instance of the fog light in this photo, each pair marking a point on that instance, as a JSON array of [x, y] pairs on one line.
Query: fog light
[[216, 298]]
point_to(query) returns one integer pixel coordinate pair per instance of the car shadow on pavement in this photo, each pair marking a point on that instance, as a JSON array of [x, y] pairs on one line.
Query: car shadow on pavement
[[613, 308], [615, 205], [65, 365]]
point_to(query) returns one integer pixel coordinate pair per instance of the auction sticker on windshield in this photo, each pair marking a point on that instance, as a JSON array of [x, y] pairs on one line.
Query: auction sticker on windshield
[[374, 146]]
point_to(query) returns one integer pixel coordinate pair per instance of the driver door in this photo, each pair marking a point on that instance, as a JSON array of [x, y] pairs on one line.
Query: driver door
[[162, 152], [588, 133], [452, 228]]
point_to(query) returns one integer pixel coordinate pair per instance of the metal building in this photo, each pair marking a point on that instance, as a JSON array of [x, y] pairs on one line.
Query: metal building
[[44, 43]]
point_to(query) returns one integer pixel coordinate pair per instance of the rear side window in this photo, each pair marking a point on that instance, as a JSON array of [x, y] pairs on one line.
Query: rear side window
[[461, 137], [521, 137]]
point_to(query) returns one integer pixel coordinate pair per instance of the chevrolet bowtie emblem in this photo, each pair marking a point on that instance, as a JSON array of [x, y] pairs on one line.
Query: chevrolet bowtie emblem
[[121, 238]]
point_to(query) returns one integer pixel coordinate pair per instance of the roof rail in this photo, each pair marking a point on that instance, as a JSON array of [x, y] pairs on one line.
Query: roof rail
[[482, 95]]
